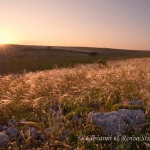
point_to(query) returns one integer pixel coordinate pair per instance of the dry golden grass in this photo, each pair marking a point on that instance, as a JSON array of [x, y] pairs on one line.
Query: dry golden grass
[[92, 86], [122, 80]]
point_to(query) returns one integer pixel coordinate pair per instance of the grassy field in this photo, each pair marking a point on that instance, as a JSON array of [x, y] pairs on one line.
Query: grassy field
[[19, 58], [77, 91]]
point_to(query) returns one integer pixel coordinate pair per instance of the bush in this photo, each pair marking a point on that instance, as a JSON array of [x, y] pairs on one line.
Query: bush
[[102, 62], [93, 54]]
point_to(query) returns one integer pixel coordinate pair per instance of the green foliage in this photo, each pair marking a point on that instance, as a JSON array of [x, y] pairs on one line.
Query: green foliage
[[73, 138], [122, 106], [68, 107], [116, 99], [79, 111], [102, 62]]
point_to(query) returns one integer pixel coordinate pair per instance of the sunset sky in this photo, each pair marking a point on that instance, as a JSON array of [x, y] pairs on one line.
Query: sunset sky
[[94, 23]]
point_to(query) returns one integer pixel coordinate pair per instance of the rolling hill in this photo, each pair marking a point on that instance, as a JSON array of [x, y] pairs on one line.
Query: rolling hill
[[18, 58]]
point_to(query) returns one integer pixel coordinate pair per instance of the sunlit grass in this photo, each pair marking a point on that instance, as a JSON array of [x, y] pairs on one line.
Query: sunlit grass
[[78, 90], [121, 81]]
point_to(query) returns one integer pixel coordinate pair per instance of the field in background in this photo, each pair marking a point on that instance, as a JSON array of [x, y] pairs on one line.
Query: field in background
[[18, 58], [77, 90]]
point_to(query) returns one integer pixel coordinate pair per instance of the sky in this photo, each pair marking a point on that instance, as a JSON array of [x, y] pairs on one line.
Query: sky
[[91, 23]]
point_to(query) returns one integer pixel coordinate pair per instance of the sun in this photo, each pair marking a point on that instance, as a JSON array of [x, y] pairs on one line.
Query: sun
[[5, 39]]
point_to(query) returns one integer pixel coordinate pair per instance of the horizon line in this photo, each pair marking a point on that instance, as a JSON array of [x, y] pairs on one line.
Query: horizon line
[[75, 46]]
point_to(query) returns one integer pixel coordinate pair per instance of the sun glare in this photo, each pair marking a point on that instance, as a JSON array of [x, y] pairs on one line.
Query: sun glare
[[5, 39]]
